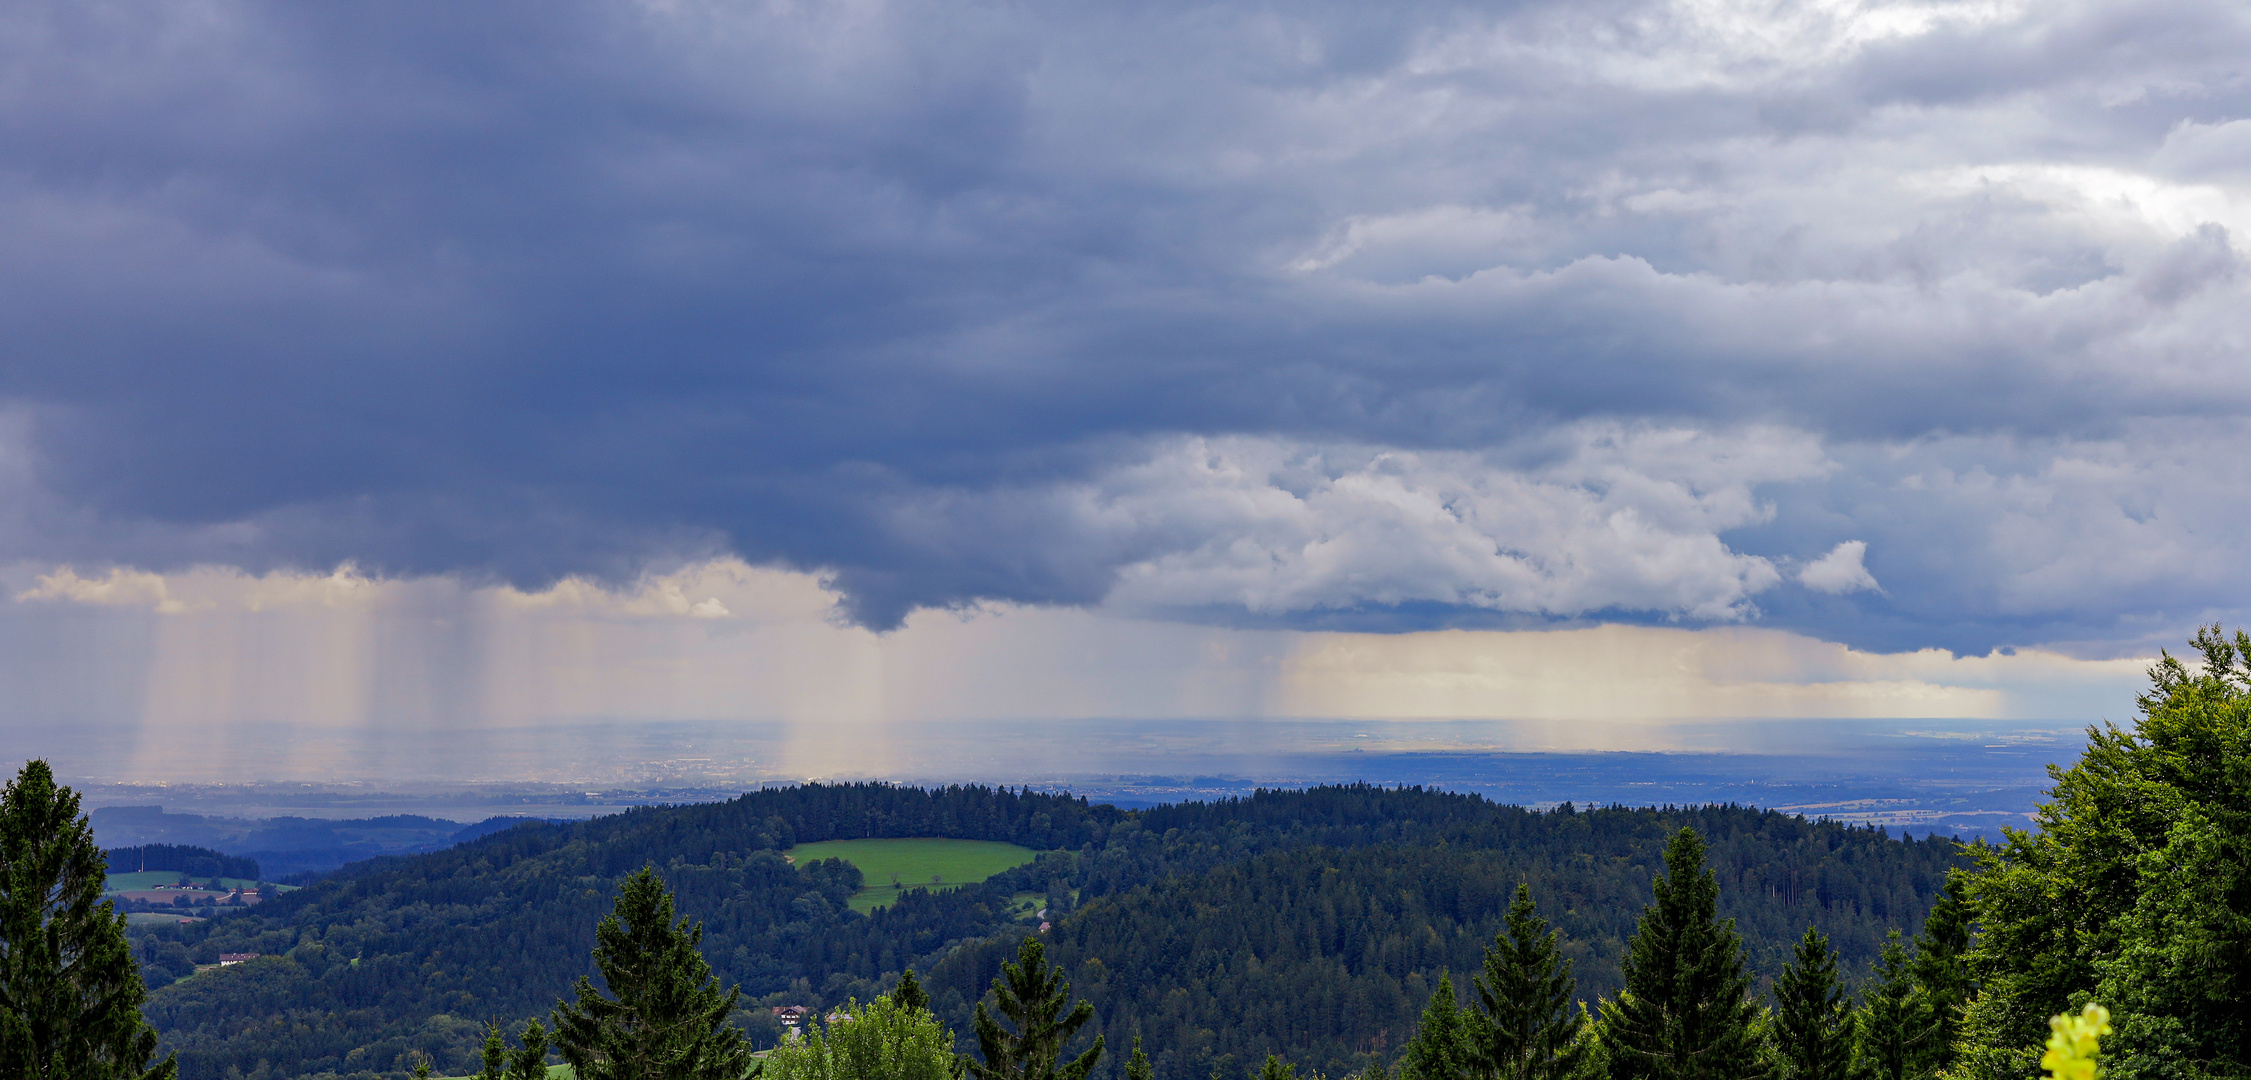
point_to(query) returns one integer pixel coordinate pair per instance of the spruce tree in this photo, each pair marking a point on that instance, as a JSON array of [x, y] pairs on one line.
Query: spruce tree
[[1941, 969], [1138, 1066], [1686, 1012], [909, 994], [1030, 994], [1441, 1048], [1895, 1028], [527, 1062], [668, 1018], [1526, 1029], [70, 993], [1813, 1023]]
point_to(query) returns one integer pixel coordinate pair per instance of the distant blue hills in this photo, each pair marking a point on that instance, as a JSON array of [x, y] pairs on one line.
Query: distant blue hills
[[290, 849]]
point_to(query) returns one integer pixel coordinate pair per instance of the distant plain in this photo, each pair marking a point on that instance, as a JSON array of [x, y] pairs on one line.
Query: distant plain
[[1963, 778]]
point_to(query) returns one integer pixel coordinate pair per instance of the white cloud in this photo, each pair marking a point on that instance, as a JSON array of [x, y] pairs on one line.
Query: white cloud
[[121, 587], [698, 591], [1595, 517], [692, 592], [1840, 571], [1688, 45], [1651, 674]]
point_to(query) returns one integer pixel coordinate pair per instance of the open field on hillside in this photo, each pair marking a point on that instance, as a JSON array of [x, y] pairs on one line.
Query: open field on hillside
[[893, 866], [149, 879], [156, 918], [554, 1072]]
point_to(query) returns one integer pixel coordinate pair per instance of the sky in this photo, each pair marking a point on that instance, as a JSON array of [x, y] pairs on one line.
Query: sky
[[426, 363]]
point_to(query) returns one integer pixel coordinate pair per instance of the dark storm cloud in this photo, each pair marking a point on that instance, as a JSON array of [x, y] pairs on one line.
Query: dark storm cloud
[[1227, 311]]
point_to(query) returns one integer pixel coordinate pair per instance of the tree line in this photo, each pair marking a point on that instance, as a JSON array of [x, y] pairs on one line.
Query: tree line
[[2127, 908], [196, 862]]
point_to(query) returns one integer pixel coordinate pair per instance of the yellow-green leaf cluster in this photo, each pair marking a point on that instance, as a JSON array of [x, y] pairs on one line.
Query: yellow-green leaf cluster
[[2075, 1043]]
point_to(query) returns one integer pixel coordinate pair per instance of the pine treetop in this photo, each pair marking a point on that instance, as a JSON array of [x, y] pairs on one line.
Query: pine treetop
[[1686, 1012], [1526, 1029], [1030, 993], [1441, 1048], [909, 994], [1138, 1066], [667, 1020], [70, 993], [1813, 1021]]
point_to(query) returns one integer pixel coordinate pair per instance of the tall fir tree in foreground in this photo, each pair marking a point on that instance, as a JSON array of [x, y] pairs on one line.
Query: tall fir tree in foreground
[[1441, 1048], [1814, 1029], [1525, 1028], [1895, 1025], [668, 1018], [70, 993], [1031, 994], [1941, 971], [1686, 1012]]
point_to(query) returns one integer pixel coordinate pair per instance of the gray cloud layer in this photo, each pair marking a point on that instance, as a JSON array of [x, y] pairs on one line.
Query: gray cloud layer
[[1318, 315]]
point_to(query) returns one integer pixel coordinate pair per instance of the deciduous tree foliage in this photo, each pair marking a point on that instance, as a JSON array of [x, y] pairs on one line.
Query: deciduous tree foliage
[[2135, 889], [886, 1039], [1687, 1012], [70, 994], [665, 1016]]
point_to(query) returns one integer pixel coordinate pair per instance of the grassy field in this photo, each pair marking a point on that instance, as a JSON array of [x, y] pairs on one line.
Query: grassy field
[[554, 1072], [153, 918], [893, 866], [149, 879]]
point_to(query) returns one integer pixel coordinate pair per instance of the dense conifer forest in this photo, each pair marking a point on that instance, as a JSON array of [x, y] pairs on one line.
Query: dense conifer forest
[[1312, 921]]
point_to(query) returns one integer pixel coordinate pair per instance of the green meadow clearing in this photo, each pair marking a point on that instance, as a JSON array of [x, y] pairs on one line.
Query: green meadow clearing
[[149, 879], [554, 1072], [893, 866], [159, 918]]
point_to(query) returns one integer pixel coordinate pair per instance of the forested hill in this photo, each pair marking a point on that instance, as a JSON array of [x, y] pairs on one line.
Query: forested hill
[[1367, 892], [1326, 955]]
